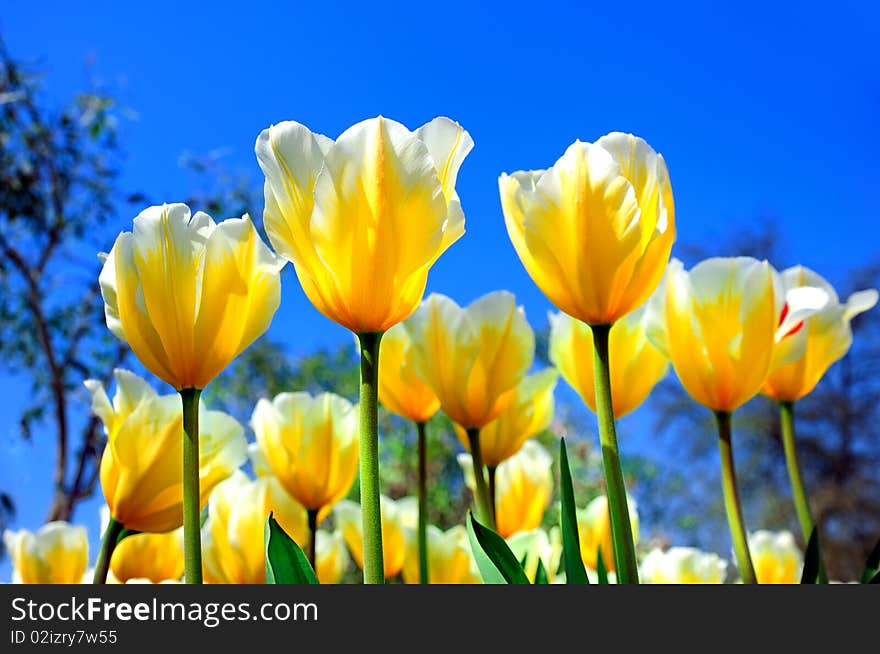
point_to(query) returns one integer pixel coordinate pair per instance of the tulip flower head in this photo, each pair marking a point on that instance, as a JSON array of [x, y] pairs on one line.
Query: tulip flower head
[[595, 230], [523, 487], [332, 557], [57, 553], [636, 365], [473, 358], [152, 557], [594, 529], [682, 565], [310, 444], [363, 218], [232, 537], [189, 295], [722, 324], [401, 390], [776, 557], [394, 518], [529, 412], [141, 474], [536, 546], [823, 338], [450, 559]]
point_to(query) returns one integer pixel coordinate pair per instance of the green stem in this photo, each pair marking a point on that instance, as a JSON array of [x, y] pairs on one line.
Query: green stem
[[374, 570], [621, 528], [484, 504], [312, 516], [802, 506], [108, 544], [490, 472], [192, 545], [732, 504], [421, 427]]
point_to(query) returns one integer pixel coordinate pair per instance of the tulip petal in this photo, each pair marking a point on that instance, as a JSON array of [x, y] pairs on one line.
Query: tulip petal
[[448, 144]]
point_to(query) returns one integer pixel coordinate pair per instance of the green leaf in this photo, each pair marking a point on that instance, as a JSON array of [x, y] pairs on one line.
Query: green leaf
[[541, 574], [872, 566], [285, 561], [810, 574], [497, 563], [575, 573], [601, 572]]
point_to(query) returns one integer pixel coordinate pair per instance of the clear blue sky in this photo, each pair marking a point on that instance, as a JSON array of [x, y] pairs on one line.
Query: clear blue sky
[[759, 110]]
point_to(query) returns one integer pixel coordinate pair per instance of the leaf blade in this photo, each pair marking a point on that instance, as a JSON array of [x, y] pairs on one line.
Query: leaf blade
[[810, 573], [495, 560], [285, 561], [575, 572]]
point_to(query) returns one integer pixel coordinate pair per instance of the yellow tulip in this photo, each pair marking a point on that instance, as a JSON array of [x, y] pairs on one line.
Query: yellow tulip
[[141, 475], [635, 364], [523, 487], [363, 218], [825, 337], [450, 560], [189, 295], [594, 529], [722, 326], [310, 444], [595, 231], [776, 557], [682, 565], [473, 358], [401, 390], [529, 412], [348, 521], [57, 553], [153, 557], [232, 538], [332, 557], [537, 546]]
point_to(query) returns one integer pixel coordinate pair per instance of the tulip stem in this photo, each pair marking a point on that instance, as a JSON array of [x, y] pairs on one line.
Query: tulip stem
[[108, 544], [802, 506], [732, 504], [374, 572], [490, 472], [621, 529], [484, 503], [192, 545], [312, 515], [421, 428]]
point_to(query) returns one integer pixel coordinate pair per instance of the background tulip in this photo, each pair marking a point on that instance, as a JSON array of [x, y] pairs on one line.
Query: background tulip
[[724, 325], [826, 336], [140, 469], [450, 561], [528, 412], [473, 359], [536, 546], [595, 230], [233, 533], [776, 557], [394, 520], [332, 557], [310, 444], [810, 349], [594, 531], [153, 557], [57, 553], [636, 365], [682, 565], [523, 487], [404, 392]]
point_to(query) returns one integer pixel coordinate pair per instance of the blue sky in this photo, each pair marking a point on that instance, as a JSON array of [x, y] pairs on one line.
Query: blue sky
[[760, 111]]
